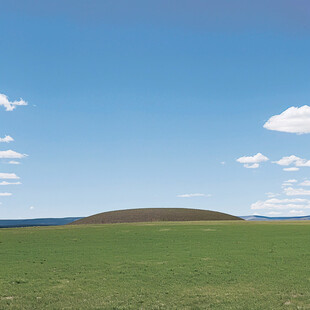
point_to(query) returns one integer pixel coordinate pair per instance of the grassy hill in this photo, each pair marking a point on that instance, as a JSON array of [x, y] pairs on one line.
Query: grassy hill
[[181, 265], [155, 215]]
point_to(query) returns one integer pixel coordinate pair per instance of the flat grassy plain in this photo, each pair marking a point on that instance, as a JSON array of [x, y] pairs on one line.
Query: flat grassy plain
[[188, 265]]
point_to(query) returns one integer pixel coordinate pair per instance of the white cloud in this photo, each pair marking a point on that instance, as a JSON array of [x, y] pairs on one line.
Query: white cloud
[[223, 163], [297, 212], [305, 183], [292, 120], [193, 195], [287, 160], [8, 176], [9, 183], [11, 154], [290, 191], [281, 204], [13, 162], [252, 166], [291, 181], [31, 208], [6, 139], [291, 169], [10, 105], [252, 162], [5, 194]]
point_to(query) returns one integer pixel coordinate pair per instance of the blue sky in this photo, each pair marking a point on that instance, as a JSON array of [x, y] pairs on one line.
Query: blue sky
[[136, 106]]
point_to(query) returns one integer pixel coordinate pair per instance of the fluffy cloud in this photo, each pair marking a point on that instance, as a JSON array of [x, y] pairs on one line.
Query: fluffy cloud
[[252, 161], [7, 139], [13, 162], [8, 176], [11, 154], [9, 183], [10, 105], [5, 194], [290, 191], [281, 204], [293, 120], [193, 195], [292, 160]]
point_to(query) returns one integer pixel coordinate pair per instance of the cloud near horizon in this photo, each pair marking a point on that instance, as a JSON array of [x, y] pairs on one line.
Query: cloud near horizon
[[11, 105], [281, 204], [293, 120]]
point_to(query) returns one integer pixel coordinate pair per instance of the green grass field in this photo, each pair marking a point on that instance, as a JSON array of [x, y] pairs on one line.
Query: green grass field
[[201, 265]]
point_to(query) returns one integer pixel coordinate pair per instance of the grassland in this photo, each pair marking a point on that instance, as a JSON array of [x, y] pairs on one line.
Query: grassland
[[201, 265]]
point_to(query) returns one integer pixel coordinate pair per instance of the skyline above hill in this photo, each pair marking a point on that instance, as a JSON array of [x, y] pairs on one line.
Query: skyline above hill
[[188, 104]]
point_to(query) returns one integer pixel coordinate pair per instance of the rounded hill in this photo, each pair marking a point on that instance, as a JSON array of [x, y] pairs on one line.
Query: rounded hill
[[156, 215]]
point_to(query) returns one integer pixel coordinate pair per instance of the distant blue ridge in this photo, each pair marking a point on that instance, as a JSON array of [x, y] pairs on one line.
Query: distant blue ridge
[[266, 218], [67, 220], [38, 222]]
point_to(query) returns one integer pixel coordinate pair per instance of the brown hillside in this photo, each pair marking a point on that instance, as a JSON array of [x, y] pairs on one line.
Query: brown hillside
[[155, 215]]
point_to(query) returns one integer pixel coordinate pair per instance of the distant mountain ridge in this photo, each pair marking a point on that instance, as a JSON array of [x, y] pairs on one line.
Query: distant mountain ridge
[[38, 222], [68, 220], [283, 218]]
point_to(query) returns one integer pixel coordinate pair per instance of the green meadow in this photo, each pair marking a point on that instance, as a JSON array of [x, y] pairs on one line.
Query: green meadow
[[193, 265]]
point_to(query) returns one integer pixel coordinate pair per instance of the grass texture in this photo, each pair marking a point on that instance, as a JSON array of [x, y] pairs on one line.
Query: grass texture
[[184, 265]]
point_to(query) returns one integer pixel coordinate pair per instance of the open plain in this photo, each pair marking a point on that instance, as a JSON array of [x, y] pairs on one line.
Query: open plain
[[184, 265]]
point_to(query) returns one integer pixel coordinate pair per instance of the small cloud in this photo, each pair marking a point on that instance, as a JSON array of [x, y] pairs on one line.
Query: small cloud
[[223, 163], [272, 195], [297, 212], [8, 176], [7, 139], [290, 191], [291, 181], [3, 183], [291, 169], [293, 120], [5, 194], [253, 166], [274, 213], [14, 162], [193, 195], [11, 105], [292, 160], [31, 208], [305, 183], [275, 204], [252, 161], [11, 154]]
